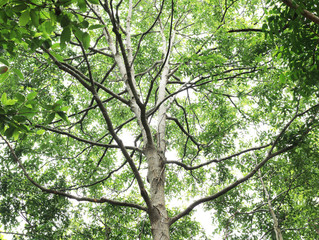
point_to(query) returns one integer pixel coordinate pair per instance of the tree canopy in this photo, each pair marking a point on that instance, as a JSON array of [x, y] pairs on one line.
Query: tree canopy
[[118, 119]]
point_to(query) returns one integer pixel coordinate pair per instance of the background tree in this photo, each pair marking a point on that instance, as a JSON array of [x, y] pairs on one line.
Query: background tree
[[130, 107]]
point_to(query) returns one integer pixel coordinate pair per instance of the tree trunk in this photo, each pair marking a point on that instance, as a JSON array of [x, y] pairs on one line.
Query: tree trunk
[[156, 177]]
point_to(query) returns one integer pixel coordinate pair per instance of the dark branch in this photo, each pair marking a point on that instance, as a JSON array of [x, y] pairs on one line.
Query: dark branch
[[245, 30], [269, 156], [231, 186], [183, 130], [183, 165], [85, 140], [64, 194]]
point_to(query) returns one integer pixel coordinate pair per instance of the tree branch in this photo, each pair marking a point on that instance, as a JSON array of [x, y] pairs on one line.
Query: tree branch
[[229, 187], [14, 233], [245, 30], [310, 16], [183, 165], [113, 133], [269, 156], [85, 140], [183, 130], [64, 194], [82, 78]]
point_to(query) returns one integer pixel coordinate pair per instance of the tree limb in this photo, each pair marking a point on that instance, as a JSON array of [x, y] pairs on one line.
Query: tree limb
[[245, 30], [186, 167], [85, 140], [269, 156], [64, 194], [310, 16], [231, 186]]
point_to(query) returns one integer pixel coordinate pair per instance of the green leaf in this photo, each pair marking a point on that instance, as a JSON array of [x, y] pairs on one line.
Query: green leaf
[[9, 132], [29, 113], [20, 7], [18, 72], [31, 95], [5, 62], [65, 21], [86, 40], [7, 102], [63, 116], [55, 46], [15, 134], [84, 24], [19, 118], [62, 45], [282, 78], [20, 97], [40, 132], [57, 106], [11, 102], [65, 37], [4, 98], [57, 56], [66, 3], [65, 108], [35, 18], [48, 25], [28, 106], [24, 128], [24, 18], [47, 44], [50, 117], [78, 33], [47, 107], [3, 76], [38, 34], [94, 1], [82, 5], [96, 26], [3, 2]]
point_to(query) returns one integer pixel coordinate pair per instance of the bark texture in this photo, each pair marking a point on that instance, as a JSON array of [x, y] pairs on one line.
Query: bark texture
[[156, 177]]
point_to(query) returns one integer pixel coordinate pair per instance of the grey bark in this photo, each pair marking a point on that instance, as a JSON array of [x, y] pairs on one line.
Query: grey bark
[[271, 209]]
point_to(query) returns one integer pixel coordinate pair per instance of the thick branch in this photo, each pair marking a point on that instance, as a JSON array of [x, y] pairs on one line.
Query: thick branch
[[304, 12], [127, 73], [111, 129]]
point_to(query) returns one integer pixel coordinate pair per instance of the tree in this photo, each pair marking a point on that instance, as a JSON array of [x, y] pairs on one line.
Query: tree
[[131, 106]]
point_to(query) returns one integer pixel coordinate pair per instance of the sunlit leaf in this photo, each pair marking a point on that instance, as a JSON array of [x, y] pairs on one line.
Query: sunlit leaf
[[24, 18], [18, 72], [86, 40]]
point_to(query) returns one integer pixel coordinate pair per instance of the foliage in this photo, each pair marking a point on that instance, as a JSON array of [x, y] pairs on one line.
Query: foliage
[[119, 105]]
